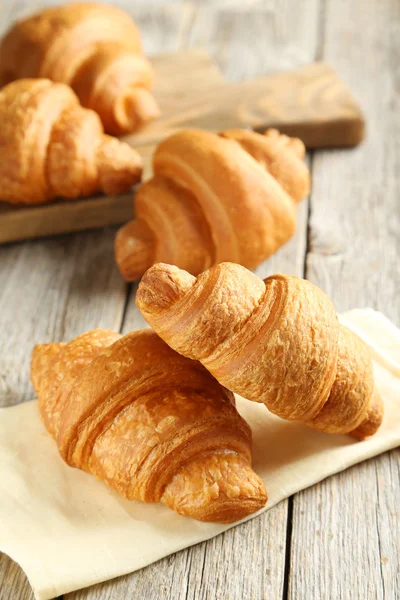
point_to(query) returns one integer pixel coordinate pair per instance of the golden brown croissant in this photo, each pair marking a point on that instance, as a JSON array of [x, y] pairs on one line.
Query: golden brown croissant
[[215, 198], [50, 146], [152, 424], [96, 49], [276, 341]]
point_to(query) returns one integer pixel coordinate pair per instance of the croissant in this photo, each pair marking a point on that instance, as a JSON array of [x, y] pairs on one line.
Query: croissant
[[50, 146], [153, 425], [94, 48], [276, 341], [215, 198]]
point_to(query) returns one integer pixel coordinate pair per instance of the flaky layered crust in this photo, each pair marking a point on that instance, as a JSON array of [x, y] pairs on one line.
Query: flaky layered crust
[[215, 198], [50, 146], [152, 424], [93, 47], [276, 341]]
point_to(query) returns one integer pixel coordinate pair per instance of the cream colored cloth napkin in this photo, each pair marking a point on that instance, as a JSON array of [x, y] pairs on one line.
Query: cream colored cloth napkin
[[67, 530]]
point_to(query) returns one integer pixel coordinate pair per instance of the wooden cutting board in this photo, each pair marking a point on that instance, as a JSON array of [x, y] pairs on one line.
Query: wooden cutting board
[[310, 102]]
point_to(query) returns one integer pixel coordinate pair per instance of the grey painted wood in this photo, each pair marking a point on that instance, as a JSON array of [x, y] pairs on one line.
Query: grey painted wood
[[257, 37], [53, 289], [345, 531], [14, 585], [45, 297]]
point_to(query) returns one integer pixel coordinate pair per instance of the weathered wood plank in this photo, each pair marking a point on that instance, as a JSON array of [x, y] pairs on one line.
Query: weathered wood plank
[[53, 290], [253, 38], [387, 521], [24, 222], [214, 570], [310, 102], [13, 582], [345, 536], [5, 10]]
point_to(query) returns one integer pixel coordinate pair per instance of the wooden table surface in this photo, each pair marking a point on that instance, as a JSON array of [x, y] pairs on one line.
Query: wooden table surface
[[341, 538]]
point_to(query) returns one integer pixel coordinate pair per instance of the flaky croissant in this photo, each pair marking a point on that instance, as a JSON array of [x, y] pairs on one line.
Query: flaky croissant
[[50, 146], [276, 341], [215, 198], [152, 424], [96, 49]]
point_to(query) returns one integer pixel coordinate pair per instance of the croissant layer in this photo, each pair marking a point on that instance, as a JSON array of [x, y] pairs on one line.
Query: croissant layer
[[50, 146], [93, 47], [215, 198], [153, 425], [276, 341]]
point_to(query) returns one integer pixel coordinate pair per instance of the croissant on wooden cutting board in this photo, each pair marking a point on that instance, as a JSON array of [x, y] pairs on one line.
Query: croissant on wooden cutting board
[[276, 341], [215, 198], [153, 425], [96, 49], [50, 146]]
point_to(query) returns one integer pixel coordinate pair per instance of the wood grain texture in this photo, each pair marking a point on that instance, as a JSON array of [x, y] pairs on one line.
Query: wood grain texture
[[27, 222], [345, 534], [310, 102], [53, 290], [14, 585]]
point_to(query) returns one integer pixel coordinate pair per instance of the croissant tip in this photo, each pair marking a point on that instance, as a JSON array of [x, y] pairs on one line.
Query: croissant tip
[[134, 109], [120, 166], [232, 511], [134, 249], [161, 287], [372, 421], [220, 487]]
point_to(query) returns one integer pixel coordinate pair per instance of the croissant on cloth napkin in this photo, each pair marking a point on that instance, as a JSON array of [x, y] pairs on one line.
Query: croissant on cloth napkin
[[105, 535], [96, 49], [214, 198], [276, 341], [153, 425], [50, 146]]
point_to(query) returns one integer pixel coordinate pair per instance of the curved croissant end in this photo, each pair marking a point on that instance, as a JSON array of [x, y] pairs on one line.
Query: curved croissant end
[[50, 146], [215, 198], [282, 157], [152, 424], [96, 49], [276, 341]]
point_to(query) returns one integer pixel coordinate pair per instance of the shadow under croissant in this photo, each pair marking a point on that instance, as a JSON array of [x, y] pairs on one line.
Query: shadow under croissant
[[277, 443], [158, 516]]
